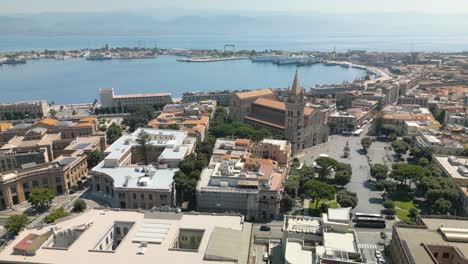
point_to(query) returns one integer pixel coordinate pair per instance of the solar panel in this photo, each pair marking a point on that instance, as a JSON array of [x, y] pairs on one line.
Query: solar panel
[[81, 146], [67, 161]]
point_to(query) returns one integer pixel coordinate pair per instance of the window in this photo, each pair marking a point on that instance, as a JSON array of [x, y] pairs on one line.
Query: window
[[134, 196], [150, 196], [142, 196], [26, 185], [35, 183], [445, 255]]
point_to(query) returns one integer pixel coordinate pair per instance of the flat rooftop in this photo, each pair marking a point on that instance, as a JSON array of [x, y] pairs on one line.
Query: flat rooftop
[[224, 238], [414, 237], [452, 170], [340, 241]]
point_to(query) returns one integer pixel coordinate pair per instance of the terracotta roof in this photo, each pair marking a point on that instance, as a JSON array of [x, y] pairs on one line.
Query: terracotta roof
[[264, 122], [270, 103], [242, 141], [87, 119], [308, 111], [254, 93], [47, 121], [4, 126], [84, 124]]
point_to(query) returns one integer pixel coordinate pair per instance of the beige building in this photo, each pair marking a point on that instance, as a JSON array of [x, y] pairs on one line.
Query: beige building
[[124, 181], [239, 181], [59, 175], [109, 99], [193, 118], [300, 124], [36, 108], [121, 237], [438, 239], [240, 103], [455, 168]]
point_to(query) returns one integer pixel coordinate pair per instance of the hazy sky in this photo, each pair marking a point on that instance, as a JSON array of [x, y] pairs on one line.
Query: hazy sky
[[340, 6]]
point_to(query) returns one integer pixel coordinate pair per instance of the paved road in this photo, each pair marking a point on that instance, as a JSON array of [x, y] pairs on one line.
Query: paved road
[[370, 200]]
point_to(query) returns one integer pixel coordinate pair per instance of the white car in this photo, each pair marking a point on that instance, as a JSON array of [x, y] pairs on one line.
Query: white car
[[265, 256]]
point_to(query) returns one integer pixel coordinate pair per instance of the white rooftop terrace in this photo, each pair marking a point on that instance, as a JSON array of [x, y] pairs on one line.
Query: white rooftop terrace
[[127, 252]]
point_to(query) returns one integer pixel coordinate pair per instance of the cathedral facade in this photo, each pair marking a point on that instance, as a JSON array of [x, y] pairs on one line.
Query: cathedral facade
[[292, 119]]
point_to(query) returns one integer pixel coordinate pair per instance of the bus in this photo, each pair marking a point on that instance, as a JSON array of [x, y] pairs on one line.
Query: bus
[[369, 220], [357, 132]]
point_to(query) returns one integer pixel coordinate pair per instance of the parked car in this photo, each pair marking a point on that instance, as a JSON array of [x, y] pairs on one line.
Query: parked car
[[265, 228], [265, 256]]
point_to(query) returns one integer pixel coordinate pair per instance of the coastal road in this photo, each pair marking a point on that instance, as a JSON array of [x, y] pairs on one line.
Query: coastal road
[[370, 200]]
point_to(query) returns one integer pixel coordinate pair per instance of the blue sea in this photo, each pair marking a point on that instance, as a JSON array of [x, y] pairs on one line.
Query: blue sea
[[78, 80]]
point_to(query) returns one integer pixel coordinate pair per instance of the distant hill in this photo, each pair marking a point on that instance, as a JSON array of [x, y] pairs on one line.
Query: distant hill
[[251, 24]]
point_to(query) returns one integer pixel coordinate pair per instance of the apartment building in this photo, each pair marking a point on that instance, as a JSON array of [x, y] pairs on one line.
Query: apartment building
[[125, 181], [239, 181], [32, 108], [59, 175]]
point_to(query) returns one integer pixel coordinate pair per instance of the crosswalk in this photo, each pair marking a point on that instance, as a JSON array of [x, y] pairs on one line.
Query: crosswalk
[[370, 246]]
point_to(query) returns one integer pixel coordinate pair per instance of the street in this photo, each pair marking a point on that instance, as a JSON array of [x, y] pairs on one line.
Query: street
[[370, 200]]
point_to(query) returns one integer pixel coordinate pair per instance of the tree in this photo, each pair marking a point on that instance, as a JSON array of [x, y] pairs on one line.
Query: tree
[[442, 206], [389, 130], [140, 116], [324, 165], [79, 205], [41, 197], [400, 147], [184, 184], [291, 187], [406, 173], [379, 172], [16, 223], [423, 162], [114, 132], [144, 147], [389, 186], [94, 157], [173, 127], [413, 212], [366, 142], [52, 113], [389, 204], [286, 203], [317, 190], [56, 214], [347, 199], [342, 178]]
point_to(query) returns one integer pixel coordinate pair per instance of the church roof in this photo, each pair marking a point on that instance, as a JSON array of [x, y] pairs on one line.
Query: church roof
[[255, 93], [270, 103]]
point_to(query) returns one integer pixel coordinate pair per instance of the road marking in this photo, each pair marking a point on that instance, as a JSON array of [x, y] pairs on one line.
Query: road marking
[[369, 246]]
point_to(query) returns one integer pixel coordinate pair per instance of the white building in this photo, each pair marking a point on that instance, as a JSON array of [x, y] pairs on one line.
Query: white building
[[320, 240], [109, 99], [122, 237], [125, 181]]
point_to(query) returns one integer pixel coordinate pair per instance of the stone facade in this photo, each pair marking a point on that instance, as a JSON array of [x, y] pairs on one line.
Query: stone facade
[[303, 126]]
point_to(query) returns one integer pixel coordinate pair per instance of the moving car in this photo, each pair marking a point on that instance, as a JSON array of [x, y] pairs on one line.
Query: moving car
[[265, 228]]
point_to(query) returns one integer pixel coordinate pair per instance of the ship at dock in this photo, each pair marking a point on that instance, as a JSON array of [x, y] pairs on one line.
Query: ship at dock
[[99, 56]]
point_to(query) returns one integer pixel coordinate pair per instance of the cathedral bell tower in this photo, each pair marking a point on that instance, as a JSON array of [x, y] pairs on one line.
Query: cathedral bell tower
[[294, 116]]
